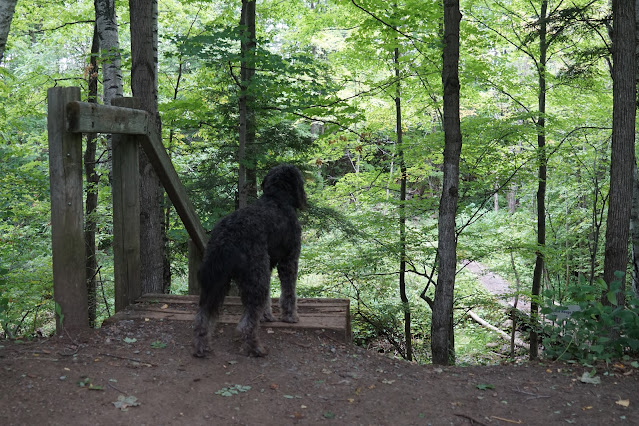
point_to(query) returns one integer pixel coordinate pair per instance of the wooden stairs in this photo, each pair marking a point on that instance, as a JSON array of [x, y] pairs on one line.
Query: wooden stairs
[[331, 315]]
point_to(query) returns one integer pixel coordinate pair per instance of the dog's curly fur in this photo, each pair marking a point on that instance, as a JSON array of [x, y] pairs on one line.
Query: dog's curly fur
[[244, 247]]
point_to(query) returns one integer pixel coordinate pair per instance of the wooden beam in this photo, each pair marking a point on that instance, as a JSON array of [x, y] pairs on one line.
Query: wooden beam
[[126, 212], [88, 117], [84, 117], [161, 162], [67, 216]]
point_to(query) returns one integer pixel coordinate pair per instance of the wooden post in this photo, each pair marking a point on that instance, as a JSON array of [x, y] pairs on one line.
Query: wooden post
[[126, 214], [67, 218], [92, 118], [195, 261]]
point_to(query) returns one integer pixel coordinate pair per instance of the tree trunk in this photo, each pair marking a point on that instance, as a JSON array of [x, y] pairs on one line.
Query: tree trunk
[[247, 179], [110, 58], [622, 155], [93, 179], [106, 21], [7, 9], [634, 214], [634, 230], [402, 215], [144, 84], [442, 339], [541, 188]]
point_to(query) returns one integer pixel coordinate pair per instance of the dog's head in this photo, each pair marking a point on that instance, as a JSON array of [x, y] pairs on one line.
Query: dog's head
[[285, 182]]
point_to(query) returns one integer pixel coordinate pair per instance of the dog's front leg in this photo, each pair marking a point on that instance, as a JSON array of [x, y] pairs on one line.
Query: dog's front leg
[[287, 271], [268, 311]]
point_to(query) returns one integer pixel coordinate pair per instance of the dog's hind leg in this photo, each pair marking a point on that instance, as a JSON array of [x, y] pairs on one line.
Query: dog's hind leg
[[287, 271], [201, 332], [254, 298], [211, 300]]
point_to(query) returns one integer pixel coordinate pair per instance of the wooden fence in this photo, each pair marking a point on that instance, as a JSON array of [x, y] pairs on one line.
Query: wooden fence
[[131, 128]]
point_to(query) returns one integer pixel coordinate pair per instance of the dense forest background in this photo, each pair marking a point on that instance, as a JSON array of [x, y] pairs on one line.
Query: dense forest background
[[329, 77]]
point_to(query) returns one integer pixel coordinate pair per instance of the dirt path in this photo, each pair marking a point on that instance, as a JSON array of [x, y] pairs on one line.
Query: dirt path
[[142, 372], [502, 289]]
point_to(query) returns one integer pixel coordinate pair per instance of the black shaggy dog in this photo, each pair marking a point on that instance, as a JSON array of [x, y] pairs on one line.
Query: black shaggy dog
[[244, 247]]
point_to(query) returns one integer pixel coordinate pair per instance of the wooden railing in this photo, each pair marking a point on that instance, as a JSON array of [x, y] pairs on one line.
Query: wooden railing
[[131, 127]]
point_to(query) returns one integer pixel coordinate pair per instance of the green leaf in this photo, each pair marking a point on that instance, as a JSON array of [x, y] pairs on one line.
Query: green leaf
[[158, 344], [58, 310], [233, 390], [612, 297], [85, 381], [590, 378], [485, 386], [124, 402], [130, 340]]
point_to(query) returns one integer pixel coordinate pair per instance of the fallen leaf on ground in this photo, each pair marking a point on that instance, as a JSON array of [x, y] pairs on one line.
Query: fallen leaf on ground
[[590, 379], [124, 402], [623, 402], [483, 386]]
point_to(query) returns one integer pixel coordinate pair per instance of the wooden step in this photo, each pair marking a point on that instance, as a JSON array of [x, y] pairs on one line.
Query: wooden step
[[315, 313]]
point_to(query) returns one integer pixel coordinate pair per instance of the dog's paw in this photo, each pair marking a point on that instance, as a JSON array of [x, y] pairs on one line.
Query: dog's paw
[[199, 350], [254, 351], [268, 317], [290, 318]]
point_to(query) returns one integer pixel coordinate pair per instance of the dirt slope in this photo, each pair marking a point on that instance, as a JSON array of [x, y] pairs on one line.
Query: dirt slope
[[308, 378]]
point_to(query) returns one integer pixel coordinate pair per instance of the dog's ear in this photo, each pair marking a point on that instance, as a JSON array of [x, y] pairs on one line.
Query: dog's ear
[[301, 194]]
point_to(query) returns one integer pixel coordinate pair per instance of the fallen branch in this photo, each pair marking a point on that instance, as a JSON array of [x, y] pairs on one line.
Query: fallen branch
[[113, 387], [148, 364], [530, 394], [501, 333], [472, 420], [517, 422]]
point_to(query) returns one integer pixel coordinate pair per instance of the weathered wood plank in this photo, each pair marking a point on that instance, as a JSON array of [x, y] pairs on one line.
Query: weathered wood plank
[[84, 117], [67, 216], [88, 117], [234, 300], [126, 213], [315, 314]]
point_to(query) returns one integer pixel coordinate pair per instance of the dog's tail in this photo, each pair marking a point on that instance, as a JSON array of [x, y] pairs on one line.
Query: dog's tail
[[214, 282]]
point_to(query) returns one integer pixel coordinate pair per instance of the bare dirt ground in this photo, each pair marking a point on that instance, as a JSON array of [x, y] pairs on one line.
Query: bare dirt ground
[[502, 289], [142, 372]]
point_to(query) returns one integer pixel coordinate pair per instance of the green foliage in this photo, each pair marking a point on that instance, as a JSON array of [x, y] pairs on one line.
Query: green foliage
[[158, 344], [595, 331], [333, 64], [5, 320], [233, 390]]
